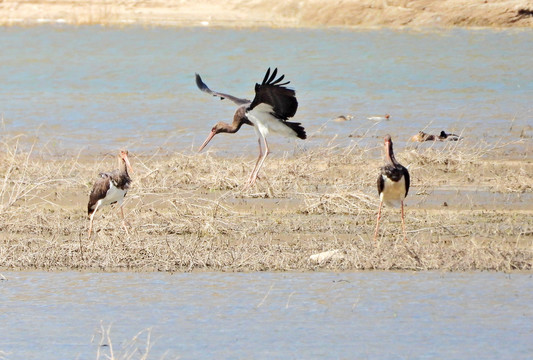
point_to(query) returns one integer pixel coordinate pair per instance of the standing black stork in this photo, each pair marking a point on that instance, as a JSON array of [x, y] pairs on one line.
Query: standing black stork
[[393, 184], [268, 112], [110, 188]]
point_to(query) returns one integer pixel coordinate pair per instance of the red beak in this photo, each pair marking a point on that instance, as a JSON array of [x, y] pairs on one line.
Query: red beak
[[128, 165], [211, 134]]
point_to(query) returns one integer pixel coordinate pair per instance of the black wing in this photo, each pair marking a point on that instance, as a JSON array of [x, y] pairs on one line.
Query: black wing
[[106, 174], [202, 86], [407, 180], [99, 191], [381, 183], [274, 93]]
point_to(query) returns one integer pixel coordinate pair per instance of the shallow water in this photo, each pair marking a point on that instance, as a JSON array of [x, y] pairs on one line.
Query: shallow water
[[100, 88], [269, 315]]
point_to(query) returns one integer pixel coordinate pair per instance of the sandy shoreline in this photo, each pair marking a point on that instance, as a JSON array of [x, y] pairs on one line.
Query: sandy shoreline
[[469, 208], [188, 212], [264, 13]]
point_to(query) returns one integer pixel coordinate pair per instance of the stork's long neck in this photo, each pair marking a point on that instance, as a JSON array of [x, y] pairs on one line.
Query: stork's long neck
[[123, 169], [390, 154], [239, 118], [235, 126]]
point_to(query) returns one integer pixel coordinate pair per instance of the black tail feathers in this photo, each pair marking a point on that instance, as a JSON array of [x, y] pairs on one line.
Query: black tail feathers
[[298, 129]]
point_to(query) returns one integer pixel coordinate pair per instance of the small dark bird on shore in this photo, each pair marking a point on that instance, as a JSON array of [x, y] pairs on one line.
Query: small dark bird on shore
[[393, 184], [110, 188], [449, 137], [268, 112]]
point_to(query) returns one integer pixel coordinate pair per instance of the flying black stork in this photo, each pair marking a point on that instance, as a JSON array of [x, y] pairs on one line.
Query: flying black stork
[[110, 188], [393, 184], [268, 112]]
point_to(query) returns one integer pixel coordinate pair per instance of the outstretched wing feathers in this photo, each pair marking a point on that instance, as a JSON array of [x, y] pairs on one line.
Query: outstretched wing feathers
[[267, 76], [202, 86], [278, 80], [271, 91], [275, 94], [271, 80]]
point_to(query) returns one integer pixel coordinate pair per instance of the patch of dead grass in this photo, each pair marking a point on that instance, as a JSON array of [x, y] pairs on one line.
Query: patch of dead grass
[[188, 212]]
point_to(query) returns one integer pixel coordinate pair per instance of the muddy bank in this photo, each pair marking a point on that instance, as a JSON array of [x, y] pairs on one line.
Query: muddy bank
[[465, 211], [289, 13]]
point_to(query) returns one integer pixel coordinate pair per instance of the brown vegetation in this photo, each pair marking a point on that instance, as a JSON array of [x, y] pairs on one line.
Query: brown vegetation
[[188, 212], [286, 13], [137, 347]]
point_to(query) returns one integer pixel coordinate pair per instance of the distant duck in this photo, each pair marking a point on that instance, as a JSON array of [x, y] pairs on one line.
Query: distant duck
[[393, 184], [449, 137], [379, 118], [422, 136], [110, 188], [342, 118]]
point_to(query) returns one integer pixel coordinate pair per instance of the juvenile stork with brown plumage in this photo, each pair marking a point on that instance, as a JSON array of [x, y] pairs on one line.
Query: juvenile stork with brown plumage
[[393, 184], [111, 188]]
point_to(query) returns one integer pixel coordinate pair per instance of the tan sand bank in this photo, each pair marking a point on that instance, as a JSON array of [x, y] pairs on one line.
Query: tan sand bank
[[280, 13], [468, 208]]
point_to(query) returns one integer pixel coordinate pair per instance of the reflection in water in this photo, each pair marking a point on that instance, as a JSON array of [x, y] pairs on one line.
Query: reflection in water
[[270, 315], [105, 88]]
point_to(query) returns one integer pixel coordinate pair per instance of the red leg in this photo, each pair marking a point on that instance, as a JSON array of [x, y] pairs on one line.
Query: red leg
[[124, 220], [377, 222], [267, 151], [92, 217], [250, 178], [403, 225]]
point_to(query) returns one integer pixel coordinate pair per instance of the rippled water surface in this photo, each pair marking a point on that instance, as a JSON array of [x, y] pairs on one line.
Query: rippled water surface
[[100, 88], [97, 89], [268, 315]]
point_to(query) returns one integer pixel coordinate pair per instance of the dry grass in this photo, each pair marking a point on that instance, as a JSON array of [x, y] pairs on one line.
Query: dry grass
[[287, 13], [420, 13], [137, 347], [188, 212]]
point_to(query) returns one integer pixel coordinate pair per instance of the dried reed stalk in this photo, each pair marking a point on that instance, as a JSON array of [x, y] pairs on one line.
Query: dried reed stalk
[[189, 212]]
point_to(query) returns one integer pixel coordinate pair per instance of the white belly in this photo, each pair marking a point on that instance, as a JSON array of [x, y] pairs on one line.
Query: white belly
[[114, 194], [265, 123], [394, 192]]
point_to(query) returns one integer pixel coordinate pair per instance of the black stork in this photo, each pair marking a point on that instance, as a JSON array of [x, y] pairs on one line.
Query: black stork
[[110, 188], [393, 184], [268, 112]]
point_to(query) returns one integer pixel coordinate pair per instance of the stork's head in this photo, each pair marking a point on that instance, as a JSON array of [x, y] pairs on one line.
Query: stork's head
[[123, 157], [219, 127]]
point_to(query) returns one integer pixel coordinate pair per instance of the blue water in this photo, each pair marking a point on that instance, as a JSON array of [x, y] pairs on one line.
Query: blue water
[[97, 88], [373, 315]]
